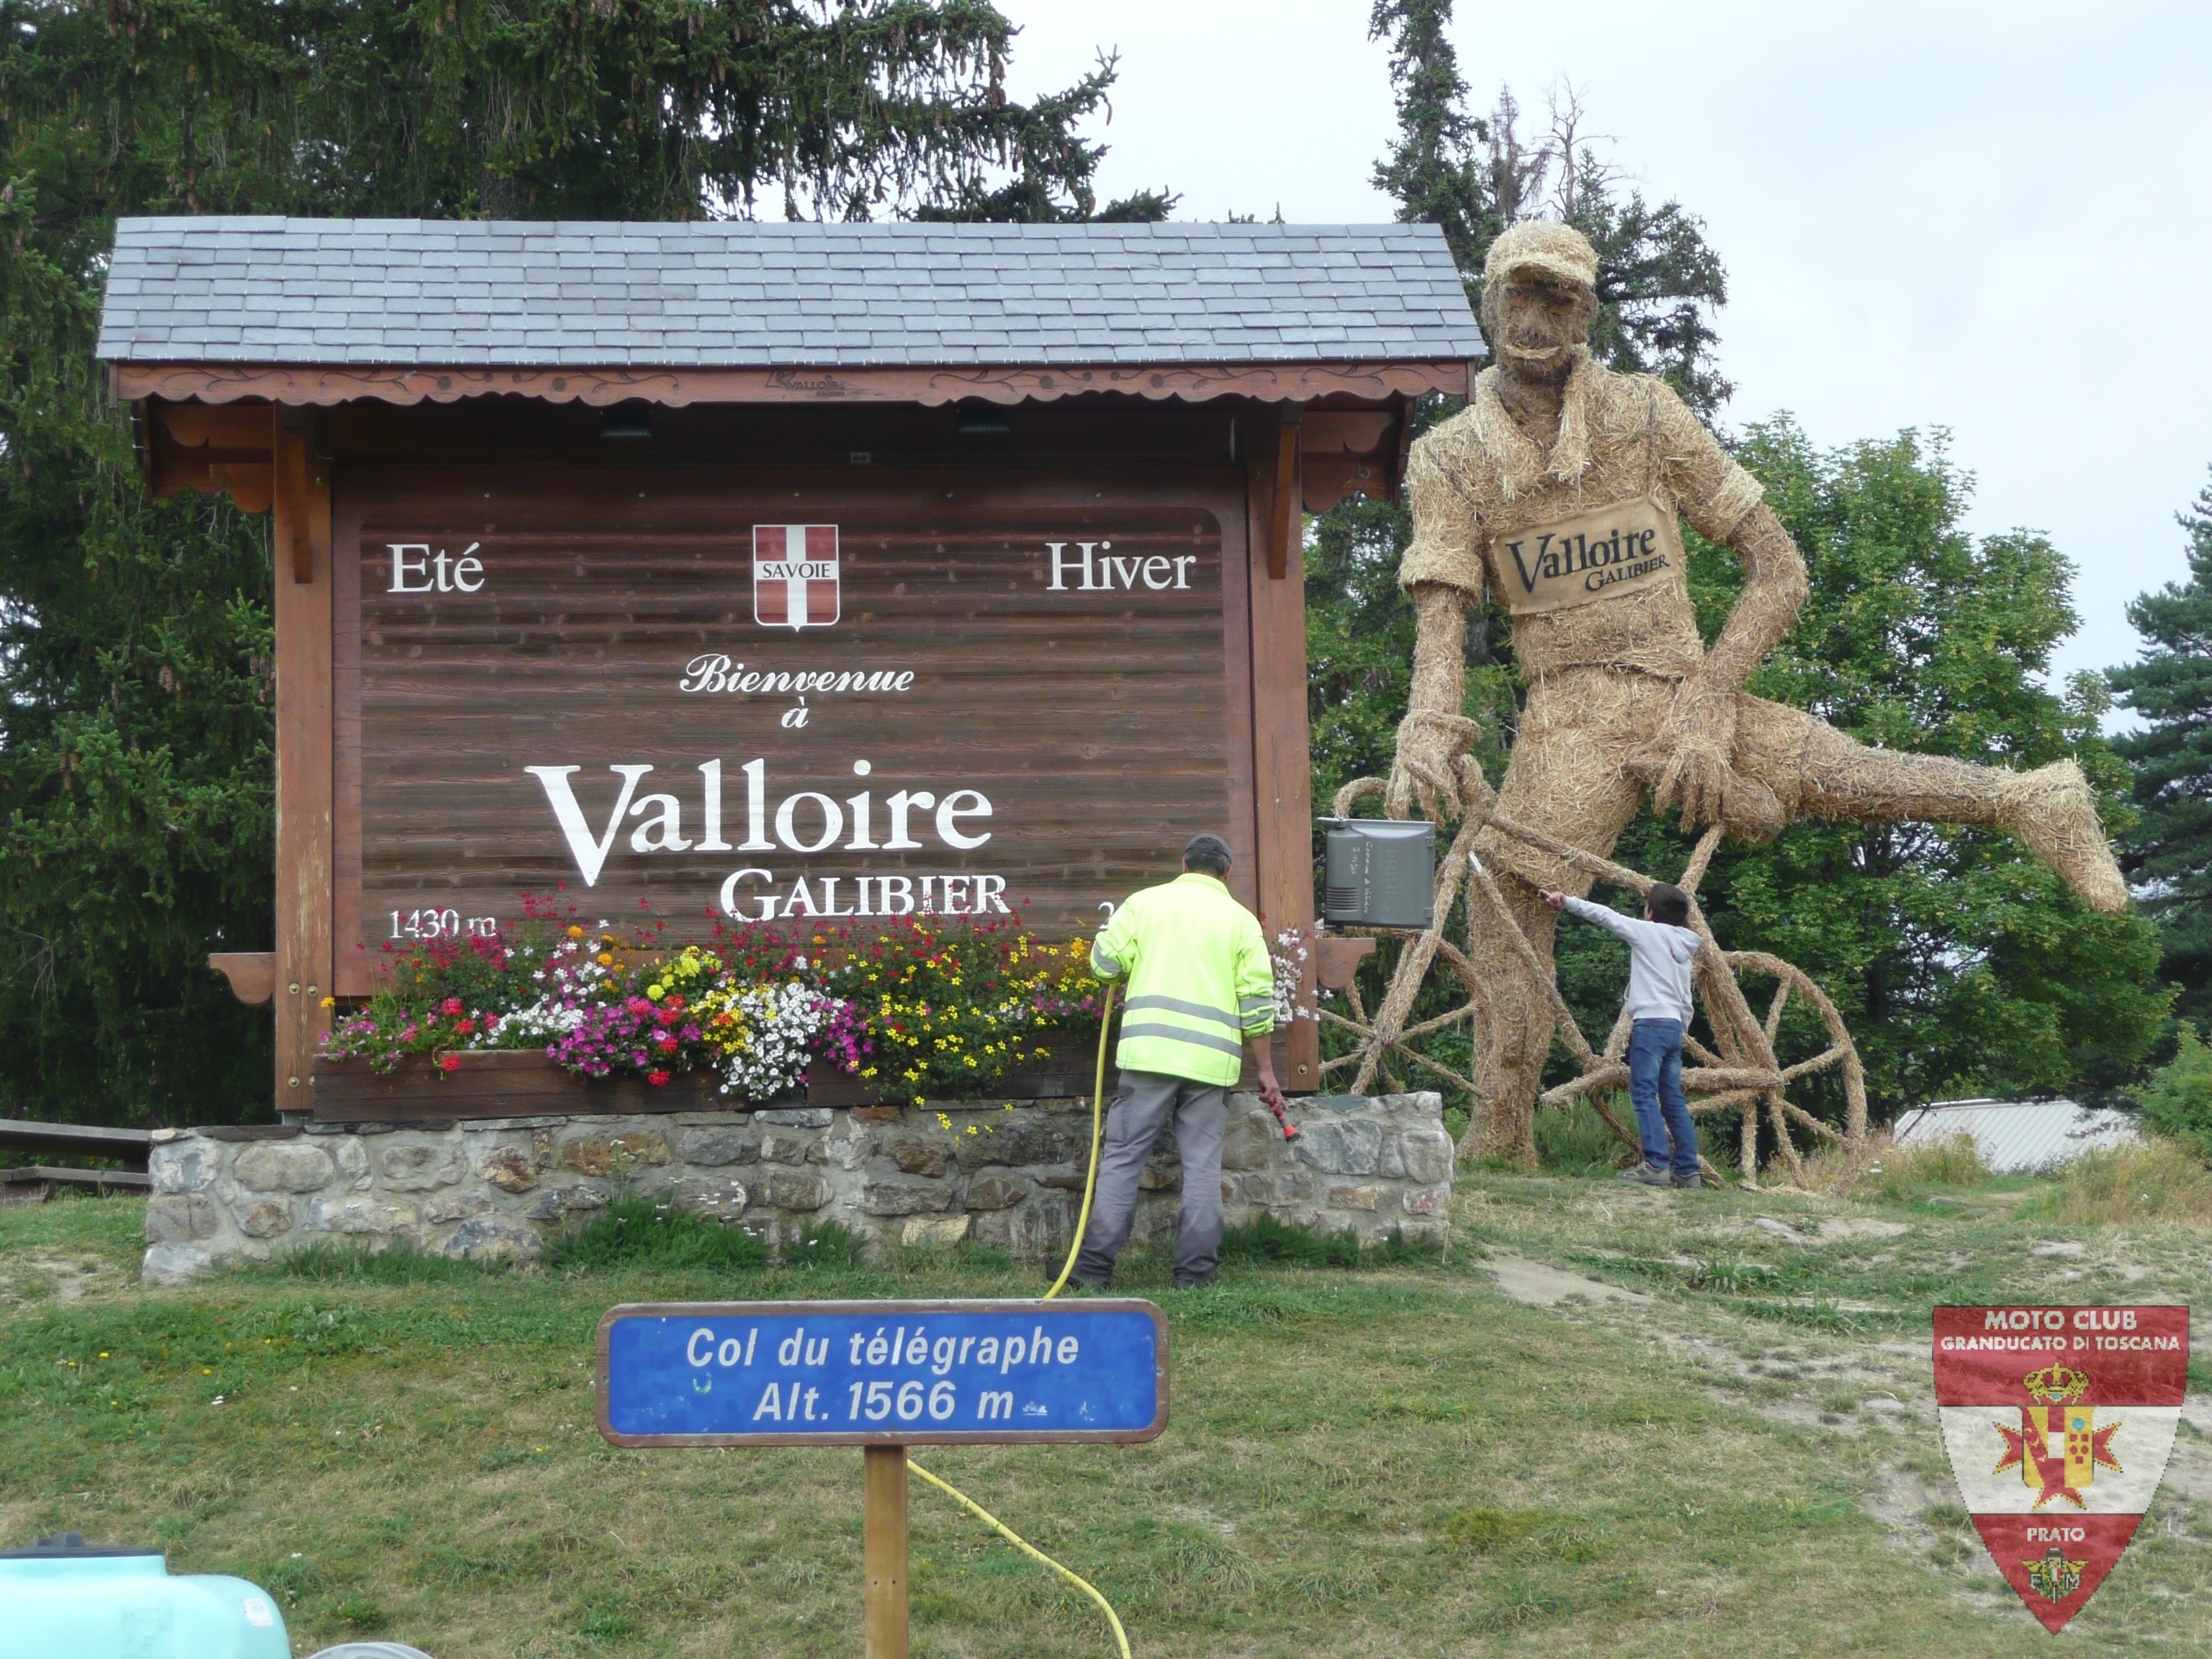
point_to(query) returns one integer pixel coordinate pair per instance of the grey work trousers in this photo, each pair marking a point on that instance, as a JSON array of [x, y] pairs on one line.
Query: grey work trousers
[[1143, 1102]]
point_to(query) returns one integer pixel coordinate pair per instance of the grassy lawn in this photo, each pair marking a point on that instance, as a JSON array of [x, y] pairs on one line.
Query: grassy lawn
[[1740, 1459]]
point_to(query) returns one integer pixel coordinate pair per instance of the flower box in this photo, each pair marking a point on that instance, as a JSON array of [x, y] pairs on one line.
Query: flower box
[[1067, 1071], [494, 1083], [523, 1083]]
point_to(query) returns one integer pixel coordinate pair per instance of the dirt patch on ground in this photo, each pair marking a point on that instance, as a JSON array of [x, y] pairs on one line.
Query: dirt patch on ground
[[1542, 1285]]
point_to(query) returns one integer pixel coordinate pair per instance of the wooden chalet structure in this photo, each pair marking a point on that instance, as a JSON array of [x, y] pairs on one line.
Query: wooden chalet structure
[[790, 570]]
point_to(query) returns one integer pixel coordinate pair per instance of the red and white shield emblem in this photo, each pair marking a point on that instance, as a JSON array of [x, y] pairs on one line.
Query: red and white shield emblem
[[795, 575], [2058, 1422]]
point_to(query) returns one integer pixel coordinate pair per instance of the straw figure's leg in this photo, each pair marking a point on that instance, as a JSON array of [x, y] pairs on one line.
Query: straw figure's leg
[[1817, 772], [1566, 778]]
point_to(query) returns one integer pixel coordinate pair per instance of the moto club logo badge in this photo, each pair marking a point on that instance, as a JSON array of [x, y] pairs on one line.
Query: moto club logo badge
[[795, 575], [2058, 1422]]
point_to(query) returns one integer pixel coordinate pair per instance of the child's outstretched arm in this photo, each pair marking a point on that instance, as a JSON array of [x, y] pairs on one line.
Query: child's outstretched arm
[[1613, 921]]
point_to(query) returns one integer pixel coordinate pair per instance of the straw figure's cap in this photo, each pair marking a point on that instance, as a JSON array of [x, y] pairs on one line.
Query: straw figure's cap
[[1559, 251]]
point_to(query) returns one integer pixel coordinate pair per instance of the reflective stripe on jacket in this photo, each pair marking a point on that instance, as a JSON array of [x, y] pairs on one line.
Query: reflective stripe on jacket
[[1200, 980]]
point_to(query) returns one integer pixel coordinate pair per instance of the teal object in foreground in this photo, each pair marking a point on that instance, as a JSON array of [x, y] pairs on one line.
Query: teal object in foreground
[[65, 1600]]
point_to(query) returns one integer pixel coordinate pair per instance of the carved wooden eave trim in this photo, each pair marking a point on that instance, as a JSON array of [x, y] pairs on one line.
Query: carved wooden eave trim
[[325, 384]]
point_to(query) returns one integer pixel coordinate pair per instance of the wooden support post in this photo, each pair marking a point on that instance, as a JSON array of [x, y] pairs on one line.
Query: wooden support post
[[883, 1548], [1283, 777], [304, 869]]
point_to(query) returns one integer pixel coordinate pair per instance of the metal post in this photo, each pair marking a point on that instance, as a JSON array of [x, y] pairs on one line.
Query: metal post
[[884, 1551]]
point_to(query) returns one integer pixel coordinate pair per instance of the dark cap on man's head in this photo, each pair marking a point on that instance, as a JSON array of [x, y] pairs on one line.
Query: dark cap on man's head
[[1207, 854]]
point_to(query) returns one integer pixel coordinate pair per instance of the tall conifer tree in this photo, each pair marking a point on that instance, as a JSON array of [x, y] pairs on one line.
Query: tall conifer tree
[[135, 637], [2169, 855]]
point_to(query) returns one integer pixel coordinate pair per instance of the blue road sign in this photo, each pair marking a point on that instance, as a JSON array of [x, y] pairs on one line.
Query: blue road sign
[[881, 1373]]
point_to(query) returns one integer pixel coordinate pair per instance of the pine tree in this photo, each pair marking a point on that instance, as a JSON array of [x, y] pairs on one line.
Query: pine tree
[[135, 636], [2169, 855], [1435, 171]]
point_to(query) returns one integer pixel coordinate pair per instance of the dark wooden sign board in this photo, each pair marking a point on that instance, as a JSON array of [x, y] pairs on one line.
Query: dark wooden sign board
[[515, 652], [561, 680]]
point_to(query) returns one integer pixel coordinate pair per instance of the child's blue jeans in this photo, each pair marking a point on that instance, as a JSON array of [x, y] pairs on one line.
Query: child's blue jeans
[[1655, 1084]]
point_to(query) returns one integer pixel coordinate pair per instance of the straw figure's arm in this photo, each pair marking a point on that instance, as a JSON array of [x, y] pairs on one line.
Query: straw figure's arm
[[1434, 733], [1699, 736]]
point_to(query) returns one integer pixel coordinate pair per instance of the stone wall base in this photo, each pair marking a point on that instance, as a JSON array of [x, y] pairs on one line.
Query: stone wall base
[[1007, 1175]]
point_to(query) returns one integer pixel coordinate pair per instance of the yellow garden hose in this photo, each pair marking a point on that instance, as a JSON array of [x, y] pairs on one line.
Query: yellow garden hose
[[1028, 1549], [1098, 1123], [1090, 1185]]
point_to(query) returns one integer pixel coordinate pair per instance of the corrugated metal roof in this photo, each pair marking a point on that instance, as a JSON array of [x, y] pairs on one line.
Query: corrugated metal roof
[[733, 294], [2016, 1135]]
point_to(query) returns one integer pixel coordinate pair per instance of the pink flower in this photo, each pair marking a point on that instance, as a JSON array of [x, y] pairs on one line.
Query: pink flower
[[452, 1005]]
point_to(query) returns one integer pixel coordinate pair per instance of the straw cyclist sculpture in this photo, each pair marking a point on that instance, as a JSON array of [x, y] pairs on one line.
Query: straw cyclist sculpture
[[1559, 489]]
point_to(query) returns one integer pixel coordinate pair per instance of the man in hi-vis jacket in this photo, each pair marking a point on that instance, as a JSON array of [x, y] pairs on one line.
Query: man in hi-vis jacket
[[1200, 992]]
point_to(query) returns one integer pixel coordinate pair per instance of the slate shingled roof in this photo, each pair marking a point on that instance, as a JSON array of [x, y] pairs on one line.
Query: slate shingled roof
[[420, 293]]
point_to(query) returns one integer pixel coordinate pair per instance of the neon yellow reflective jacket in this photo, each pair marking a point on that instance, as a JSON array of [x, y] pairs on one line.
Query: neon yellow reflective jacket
[[1200, 980]]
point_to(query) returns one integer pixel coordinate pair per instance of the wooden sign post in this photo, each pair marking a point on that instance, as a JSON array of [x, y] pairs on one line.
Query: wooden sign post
[[882, 1375]]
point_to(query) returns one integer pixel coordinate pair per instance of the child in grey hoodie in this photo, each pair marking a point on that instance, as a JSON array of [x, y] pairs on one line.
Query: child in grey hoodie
[[1660, 949]]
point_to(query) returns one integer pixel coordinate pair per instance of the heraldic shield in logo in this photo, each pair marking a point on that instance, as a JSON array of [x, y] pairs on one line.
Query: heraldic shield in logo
[[2058, 1421], [795, 575]]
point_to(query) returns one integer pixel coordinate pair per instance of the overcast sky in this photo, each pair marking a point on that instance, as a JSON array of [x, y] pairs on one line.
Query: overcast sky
[[1994, 218]]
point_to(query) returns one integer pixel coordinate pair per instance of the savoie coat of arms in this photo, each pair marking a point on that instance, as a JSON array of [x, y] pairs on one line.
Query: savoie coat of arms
[[795, 582], [2058, 1422]]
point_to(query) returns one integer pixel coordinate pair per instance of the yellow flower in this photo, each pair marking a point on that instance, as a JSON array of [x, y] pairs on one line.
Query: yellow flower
[[605, 961], [330, 1002], [576, 932]]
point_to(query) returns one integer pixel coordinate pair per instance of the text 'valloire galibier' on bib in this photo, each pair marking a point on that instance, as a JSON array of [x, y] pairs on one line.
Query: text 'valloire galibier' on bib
[[1592, 555]]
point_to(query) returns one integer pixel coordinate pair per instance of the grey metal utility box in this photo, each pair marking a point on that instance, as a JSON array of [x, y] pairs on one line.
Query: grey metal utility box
[[1380, 872]]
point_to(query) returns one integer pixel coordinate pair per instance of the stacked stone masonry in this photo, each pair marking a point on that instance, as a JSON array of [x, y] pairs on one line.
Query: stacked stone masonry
[[1008, 1177]]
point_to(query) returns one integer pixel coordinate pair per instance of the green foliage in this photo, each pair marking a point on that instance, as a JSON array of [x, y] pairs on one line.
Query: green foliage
[[1578, 1141], [337, 1262], [1905, 1172], [135, 810], [1959, 962], [2176, 1101], [1658, 281], [2169, 854], [827, 1247], [2146, 1183], [1264, 1239], [135, 646], [644, 1232]]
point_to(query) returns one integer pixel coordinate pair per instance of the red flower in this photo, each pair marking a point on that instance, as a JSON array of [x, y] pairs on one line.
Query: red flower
[[656, 1078], [450, 1063], [451, 1005], [667, 1045], [674, 1001], [462, 1028]]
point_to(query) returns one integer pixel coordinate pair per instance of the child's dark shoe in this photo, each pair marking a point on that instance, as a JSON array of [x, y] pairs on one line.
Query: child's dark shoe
[[1695, 1178]]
